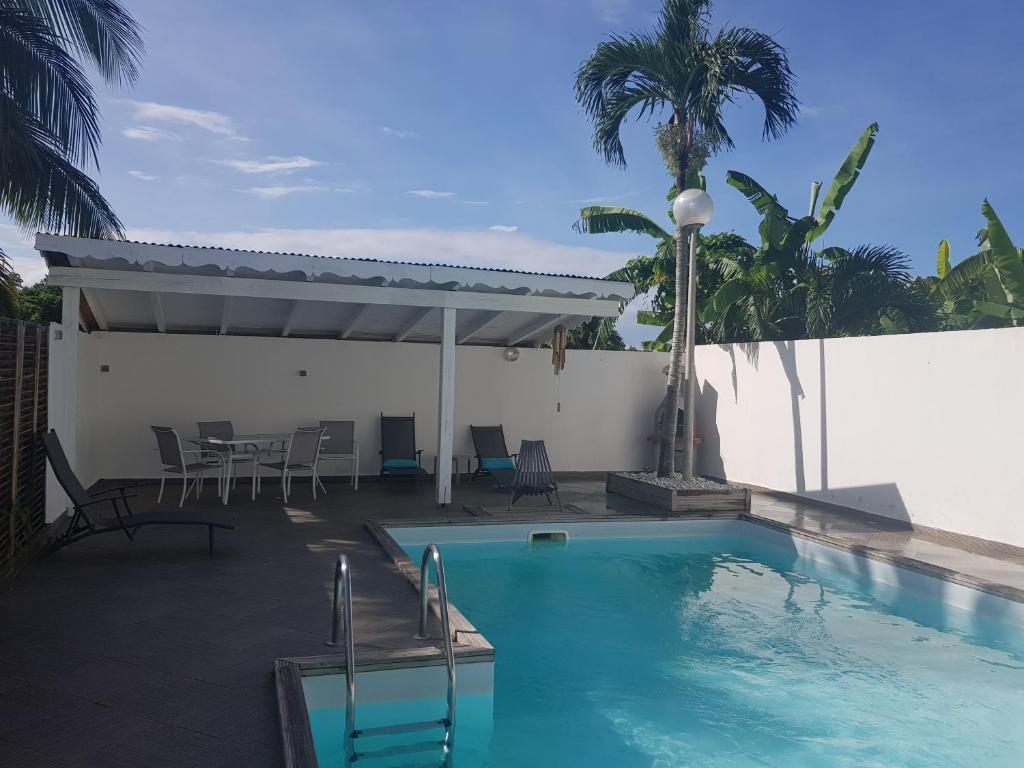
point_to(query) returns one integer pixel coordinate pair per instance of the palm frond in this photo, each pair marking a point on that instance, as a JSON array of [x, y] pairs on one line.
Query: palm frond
[[102, 30], [601, 219], [45, 80], [8, 287], [683, 20], [40, 188], [621, 75], [752, 62]]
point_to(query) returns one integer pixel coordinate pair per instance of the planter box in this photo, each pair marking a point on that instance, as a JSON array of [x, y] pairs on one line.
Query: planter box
[[695, 500]]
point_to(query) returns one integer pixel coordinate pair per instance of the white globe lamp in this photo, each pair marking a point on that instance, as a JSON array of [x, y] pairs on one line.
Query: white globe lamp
[[692, 208]]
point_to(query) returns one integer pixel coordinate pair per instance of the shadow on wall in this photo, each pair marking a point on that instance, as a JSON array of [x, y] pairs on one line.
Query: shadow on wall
[[711, 462], [787, 355]]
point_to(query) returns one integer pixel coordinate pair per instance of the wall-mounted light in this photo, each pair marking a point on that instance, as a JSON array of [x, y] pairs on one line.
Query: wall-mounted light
[[511, 354], [302, 372], [104, 369]]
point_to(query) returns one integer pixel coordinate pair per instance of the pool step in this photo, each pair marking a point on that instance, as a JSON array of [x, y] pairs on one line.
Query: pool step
[[399, 749], [389, 730]]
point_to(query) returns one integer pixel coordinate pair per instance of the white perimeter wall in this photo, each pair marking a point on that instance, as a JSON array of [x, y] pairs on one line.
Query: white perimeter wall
[[607, 398], [922, 427]]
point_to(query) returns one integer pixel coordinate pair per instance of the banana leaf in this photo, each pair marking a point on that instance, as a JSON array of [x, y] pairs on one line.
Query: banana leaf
[[843, 182], [1005, 258], [942, 267], [599, 219]]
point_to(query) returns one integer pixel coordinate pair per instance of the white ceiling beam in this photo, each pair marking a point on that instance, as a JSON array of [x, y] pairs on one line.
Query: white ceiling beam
[[158, 311], [477, 327], [293, 312], [353, 321], [534, 327], [414, 321], [210, 285], [225, 314], [97, 309]]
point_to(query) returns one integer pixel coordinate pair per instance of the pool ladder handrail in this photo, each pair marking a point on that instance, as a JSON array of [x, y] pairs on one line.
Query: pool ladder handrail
[[341, 624], [433, 553], [341, 627]]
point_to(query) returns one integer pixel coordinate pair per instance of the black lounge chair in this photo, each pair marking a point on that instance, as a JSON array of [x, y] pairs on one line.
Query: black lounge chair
[[85, 522], [533, 474], [492, 457], [399, 456]]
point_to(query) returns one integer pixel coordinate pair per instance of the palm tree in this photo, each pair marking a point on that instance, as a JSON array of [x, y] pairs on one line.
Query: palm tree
[[49, 119], [681, 68]]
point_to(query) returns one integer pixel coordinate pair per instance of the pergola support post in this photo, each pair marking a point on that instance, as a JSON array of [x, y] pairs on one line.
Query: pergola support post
[[446, 408], [62, 394]]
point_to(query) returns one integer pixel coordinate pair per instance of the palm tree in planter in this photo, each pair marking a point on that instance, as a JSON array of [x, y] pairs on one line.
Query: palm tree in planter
[[686, 71], [49, 119]]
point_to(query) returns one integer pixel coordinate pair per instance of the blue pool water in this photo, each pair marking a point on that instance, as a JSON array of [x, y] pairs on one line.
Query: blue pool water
[[728, 651]]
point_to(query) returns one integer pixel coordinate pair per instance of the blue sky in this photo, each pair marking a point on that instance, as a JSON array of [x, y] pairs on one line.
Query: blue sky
[[447, 131]]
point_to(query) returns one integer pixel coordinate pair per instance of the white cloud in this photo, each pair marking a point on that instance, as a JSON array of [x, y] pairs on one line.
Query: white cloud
[[611, 11], [271, 164], [503, 228], [273, 193], [149, 133], [431, 194], [214, 122], [478, 248], [141, 175], [606, 198], [475, 202], [397, 133]]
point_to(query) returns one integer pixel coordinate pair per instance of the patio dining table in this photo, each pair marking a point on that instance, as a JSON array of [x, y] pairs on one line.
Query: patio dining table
[[257, 439]]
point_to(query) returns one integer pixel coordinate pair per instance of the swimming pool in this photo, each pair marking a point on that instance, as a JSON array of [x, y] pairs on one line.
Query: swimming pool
[[725, 643]]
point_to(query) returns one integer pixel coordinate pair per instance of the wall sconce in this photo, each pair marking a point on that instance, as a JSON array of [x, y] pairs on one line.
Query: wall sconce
[[511, 354], [302, 372]]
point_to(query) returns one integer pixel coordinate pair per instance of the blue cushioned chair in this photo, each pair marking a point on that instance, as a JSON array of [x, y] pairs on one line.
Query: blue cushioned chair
[[399, 456], [492, 456]]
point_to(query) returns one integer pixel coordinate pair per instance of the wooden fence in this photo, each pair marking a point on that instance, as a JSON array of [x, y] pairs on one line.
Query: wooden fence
[[23, 378]]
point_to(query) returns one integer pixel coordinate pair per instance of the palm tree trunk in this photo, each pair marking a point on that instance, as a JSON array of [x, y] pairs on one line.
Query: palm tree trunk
[[670, 405]]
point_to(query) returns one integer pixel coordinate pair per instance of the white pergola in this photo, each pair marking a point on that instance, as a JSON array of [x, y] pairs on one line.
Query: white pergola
[[123, 286]]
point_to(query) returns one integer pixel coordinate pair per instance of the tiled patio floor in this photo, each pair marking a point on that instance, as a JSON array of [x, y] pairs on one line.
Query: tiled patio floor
[[153, 654]]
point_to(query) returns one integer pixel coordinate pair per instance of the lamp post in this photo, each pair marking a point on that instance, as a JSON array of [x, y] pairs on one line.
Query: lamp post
[[692, 209]]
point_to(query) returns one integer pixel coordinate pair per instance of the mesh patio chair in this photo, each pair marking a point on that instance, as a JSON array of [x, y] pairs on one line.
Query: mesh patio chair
[[492, 456], [399, 456], [87, 519], [302, 455], [534, 476], [172, 457], [231, 455], [340, 445]]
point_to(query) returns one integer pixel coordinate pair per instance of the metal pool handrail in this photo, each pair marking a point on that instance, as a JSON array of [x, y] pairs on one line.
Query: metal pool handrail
[[433, 553], [341, 624]]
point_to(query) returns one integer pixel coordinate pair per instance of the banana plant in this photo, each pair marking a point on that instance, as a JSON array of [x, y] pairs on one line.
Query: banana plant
[[788, 291], [985, 290]]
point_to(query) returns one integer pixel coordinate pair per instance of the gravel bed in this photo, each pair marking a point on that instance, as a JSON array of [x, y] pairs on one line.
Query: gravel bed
[[676, 481]]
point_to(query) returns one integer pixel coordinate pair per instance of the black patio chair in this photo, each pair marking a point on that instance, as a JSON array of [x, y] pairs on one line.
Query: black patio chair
[[492, 456], [87, 520], [533, 474], [399, 456]]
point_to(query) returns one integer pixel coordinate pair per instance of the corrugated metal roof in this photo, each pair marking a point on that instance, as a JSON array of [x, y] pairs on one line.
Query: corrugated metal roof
[[348, 258]]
